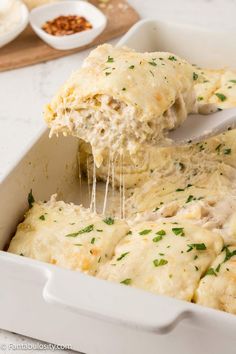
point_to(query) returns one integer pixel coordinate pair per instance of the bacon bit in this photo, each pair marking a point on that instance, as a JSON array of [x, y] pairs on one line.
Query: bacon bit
[[66, 25]]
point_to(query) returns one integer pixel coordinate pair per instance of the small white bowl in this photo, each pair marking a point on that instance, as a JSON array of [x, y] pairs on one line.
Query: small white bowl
[[49, 12], [11, 35]]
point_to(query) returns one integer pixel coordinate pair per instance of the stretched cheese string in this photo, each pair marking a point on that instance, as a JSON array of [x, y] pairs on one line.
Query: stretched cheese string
[[88, 179], [79, 171], [93, 198], [107, 186]]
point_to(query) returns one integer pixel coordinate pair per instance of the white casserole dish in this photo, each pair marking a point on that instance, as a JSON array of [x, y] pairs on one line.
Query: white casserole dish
[[70, 308]]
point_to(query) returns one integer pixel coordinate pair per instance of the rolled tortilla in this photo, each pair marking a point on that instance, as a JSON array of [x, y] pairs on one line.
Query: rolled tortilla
[[121, 100]]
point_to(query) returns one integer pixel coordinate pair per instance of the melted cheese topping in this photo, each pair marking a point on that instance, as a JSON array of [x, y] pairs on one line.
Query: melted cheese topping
[[218, 288], [68, 236], [163, 257], [121, 99]]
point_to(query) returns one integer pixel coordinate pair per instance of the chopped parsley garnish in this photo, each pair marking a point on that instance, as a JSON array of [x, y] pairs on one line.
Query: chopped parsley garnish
[[126, 281], [129, 233], [181, 166], [107, 73], [151, 73], [178, 231], [42, 217], [200, 98], [145, 232], [30, 199], [78, 244], [218, 148], [159, 262], [123, 89], [211, 271], [152, 63], [189, 199], [196, 268], [21, 254], [197, 246], [88, 228], [179, 190], [227, 151], [233, 81], [221, 96], [157, 238], [195, 76], [99, 230], [131, 67], [93, 240], [109, 221], [172, 58], [110, 59], [122, 256], [229, 254], [161, 233]]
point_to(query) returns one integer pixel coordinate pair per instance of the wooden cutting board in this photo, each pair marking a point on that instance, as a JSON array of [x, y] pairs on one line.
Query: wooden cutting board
[[29, 49]]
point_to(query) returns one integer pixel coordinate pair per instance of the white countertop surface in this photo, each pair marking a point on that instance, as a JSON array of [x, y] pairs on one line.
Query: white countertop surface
[[23, 92]]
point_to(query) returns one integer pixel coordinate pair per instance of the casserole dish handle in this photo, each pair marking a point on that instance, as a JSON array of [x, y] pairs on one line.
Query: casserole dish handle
[[112, 302]]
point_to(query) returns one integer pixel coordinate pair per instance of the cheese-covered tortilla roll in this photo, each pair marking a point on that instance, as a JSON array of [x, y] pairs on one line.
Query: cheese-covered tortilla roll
[[163, 257], [67, 235], [218, 287], [121, 99]]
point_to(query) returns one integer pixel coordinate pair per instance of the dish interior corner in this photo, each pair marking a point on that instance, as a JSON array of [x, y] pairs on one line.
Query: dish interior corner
[[49, 167]]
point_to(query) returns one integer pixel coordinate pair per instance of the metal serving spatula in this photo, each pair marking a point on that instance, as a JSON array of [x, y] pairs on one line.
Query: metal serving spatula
[[199, 127]]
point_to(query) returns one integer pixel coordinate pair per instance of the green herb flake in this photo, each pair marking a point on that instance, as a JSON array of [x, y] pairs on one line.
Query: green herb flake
[[131, 67], [197, 246], [110, 59], [42, 217], [109, 221], [93, 240], [233, 81], [172, 58], [152, 63], [195, 76], [200, 98], [197, 269], [99, 230], [107, 73], [227, 151], [124, 89], [30, 199], [211, 271], [178, 231], [161, 233], [145, 232], [179, 190], [122, 256], [126, 281], [88, 228], [159, 262], [221, 96], [218, 148], [190, 199], [157, 238]]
